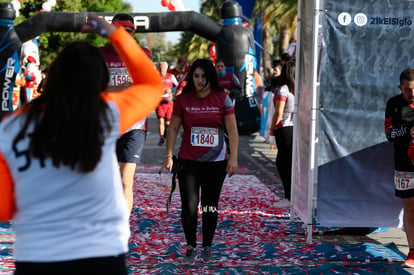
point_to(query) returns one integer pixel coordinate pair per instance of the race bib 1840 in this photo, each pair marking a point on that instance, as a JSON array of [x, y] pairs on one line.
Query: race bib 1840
[[205, 137]]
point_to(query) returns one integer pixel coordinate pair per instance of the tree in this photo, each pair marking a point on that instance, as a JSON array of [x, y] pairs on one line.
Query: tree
[[279, 20], [193, 46], [278, 25], [182, 47], [156, 42]]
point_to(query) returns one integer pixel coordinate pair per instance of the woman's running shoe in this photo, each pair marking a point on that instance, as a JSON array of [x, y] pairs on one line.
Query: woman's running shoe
[[206, 254], [190, 255]]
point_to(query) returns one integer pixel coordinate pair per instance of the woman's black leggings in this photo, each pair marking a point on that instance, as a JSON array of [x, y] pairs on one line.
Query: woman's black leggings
[[209, 177], [284, 140]]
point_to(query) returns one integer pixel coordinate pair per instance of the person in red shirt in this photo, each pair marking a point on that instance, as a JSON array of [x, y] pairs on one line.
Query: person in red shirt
[[204, 111], [130, 145], [227, 80], [165, 109], [180, 72]]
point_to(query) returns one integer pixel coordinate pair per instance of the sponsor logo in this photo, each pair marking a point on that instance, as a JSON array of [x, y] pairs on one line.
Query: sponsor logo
[[344, 18], [249, 74], [7, 85], [361, 19], [394, 21], [141, 22]]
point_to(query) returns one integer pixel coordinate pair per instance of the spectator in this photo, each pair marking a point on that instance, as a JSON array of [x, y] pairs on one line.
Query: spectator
[[227, 81], [282, 128]]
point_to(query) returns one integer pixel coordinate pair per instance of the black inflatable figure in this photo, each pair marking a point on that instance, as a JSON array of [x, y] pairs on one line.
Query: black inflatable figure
[[235, 45]]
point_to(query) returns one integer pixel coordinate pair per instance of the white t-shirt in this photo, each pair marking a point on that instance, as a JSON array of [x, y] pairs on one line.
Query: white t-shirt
[[66, 215]]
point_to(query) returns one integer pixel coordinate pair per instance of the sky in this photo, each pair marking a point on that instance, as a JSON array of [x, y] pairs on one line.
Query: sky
[[142, 6]]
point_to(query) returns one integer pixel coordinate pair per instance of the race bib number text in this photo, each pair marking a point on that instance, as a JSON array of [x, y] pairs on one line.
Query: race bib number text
[[117, 80], [403, 180], [205, 137]]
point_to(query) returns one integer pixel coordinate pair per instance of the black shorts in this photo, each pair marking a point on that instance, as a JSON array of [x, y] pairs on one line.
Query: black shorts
[[90, 266], [130, 145]]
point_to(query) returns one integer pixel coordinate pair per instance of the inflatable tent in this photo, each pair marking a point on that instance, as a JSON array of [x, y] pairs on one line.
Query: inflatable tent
[[350, 54]]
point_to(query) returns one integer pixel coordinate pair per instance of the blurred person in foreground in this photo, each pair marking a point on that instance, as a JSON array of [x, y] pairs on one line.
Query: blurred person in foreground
[[59, 176]]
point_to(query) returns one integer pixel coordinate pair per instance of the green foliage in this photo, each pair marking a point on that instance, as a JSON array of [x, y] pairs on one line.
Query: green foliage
[[276, 14], [279, 22], [182, 48], [50, 44]]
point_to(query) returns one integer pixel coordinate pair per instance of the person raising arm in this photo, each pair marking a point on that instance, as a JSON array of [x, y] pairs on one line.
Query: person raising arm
[[58, 167]]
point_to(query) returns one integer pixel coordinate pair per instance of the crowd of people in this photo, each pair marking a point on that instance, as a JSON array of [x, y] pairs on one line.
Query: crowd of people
[[82, 138], [83, 135], [106, 95]]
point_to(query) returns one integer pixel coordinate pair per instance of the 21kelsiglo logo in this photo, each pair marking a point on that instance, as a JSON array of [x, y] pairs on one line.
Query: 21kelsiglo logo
[[361, 19]]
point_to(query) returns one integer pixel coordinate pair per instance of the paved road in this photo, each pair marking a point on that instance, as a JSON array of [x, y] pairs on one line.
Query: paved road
[[257, 156]]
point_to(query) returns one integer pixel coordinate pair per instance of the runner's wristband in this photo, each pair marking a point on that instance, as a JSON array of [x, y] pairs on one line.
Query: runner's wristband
[[99, 28]]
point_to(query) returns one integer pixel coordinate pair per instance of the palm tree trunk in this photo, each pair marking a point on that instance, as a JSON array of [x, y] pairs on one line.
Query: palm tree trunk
[[284, 38], [295, 28], [267, 48]]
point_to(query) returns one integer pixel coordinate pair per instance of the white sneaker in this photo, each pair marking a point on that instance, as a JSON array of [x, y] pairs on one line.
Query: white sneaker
[[285, 203]]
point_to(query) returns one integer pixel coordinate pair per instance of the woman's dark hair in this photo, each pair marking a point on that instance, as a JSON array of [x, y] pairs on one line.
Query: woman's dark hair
[[287, 76], [70, 117], [290, 75], [210, 72], [285, 57]]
